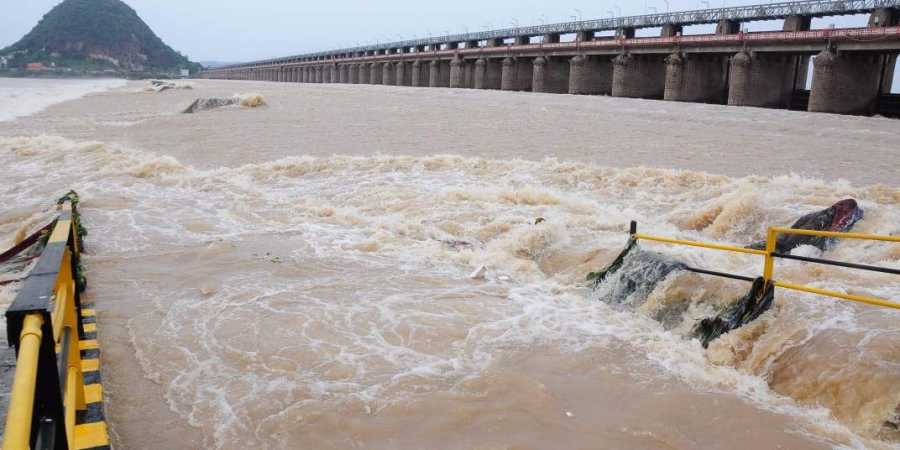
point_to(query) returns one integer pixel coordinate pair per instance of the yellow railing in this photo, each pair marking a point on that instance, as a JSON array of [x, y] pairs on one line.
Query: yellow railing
[[46, 318], [21, 404], [770, 255], [772, 238]]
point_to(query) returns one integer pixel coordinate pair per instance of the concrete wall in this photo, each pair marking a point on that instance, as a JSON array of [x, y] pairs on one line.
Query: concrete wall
[[846, 83], [701, 78], [639, 76]]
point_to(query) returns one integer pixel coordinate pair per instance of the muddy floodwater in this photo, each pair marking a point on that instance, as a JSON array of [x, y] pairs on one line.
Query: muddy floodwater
[[297, 275]]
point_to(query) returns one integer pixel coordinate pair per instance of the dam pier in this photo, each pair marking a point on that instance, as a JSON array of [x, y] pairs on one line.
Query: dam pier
[[853, 68]]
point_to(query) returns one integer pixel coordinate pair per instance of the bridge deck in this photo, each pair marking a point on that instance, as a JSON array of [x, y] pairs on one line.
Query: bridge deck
[[769, 11]]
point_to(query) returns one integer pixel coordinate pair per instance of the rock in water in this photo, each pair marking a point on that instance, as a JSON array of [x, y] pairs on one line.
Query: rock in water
[[251, 100], [840, 217], [160, 86], [747, 309], [206, 104], [634, 275]]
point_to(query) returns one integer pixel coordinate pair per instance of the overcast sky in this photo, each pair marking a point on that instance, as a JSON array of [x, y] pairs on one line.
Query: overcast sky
[[244, 30]]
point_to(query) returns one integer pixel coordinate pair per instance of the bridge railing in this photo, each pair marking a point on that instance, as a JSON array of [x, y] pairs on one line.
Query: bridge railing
[[862, 34], [770, 254], [808, 8], [43, 324]]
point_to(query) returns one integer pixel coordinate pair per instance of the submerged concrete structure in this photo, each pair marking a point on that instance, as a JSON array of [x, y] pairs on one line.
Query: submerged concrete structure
[[853, 68]]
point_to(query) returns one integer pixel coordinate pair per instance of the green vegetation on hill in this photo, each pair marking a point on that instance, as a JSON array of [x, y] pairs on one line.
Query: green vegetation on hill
[[86, 35]]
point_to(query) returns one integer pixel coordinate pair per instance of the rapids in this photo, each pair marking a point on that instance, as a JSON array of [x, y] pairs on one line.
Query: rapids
[[324, 302]]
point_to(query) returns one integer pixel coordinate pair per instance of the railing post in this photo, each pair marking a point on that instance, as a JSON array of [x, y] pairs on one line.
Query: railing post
[[21, 405], [771, 242]]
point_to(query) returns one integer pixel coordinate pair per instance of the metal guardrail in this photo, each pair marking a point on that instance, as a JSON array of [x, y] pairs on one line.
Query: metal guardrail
[[753, 38], [43, 324], [770, 254], [808, 8]]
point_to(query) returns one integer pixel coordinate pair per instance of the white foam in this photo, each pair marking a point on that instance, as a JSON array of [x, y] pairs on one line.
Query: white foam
[[20, 97], [372, 260]]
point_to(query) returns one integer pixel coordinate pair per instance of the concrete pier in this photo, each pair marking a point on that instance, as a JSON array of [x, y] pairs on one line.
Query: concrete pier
[[507, 74], [726, 26], [456, 73], [884, 17], [363, 73], [439, 73], [700, 78], [639, 76], [417, 74], [516, 74], [762, 80], [846, 83], [375, 73], [550, 75], [671, 30], [401, 74], [590, 75], [488, 73], [853, 73], [468, 73], [387, 74]]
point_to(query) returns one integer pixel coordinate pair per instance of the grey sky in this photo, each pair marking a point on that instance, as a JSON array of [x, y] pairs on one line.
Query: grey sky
[[242, 30]]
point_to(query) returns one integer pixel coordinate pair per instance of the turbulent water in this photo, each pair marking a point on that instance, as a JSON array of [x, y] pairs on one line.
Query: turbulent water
[[326, 303], [23, 96]]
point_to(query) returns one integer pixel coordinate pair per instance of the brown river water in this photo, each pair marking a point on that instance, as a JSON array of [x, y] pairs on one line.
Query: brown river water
[[298, 275]]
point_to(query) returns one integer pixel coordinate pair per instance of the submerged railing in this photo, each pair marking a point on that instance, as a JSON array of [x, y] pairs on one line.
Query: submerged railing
[[44, 324], [770, 254]]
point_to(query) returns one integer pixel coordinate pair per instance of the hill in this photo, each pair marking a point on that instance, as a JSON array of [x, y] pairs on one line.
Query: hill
[[95, 35]]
